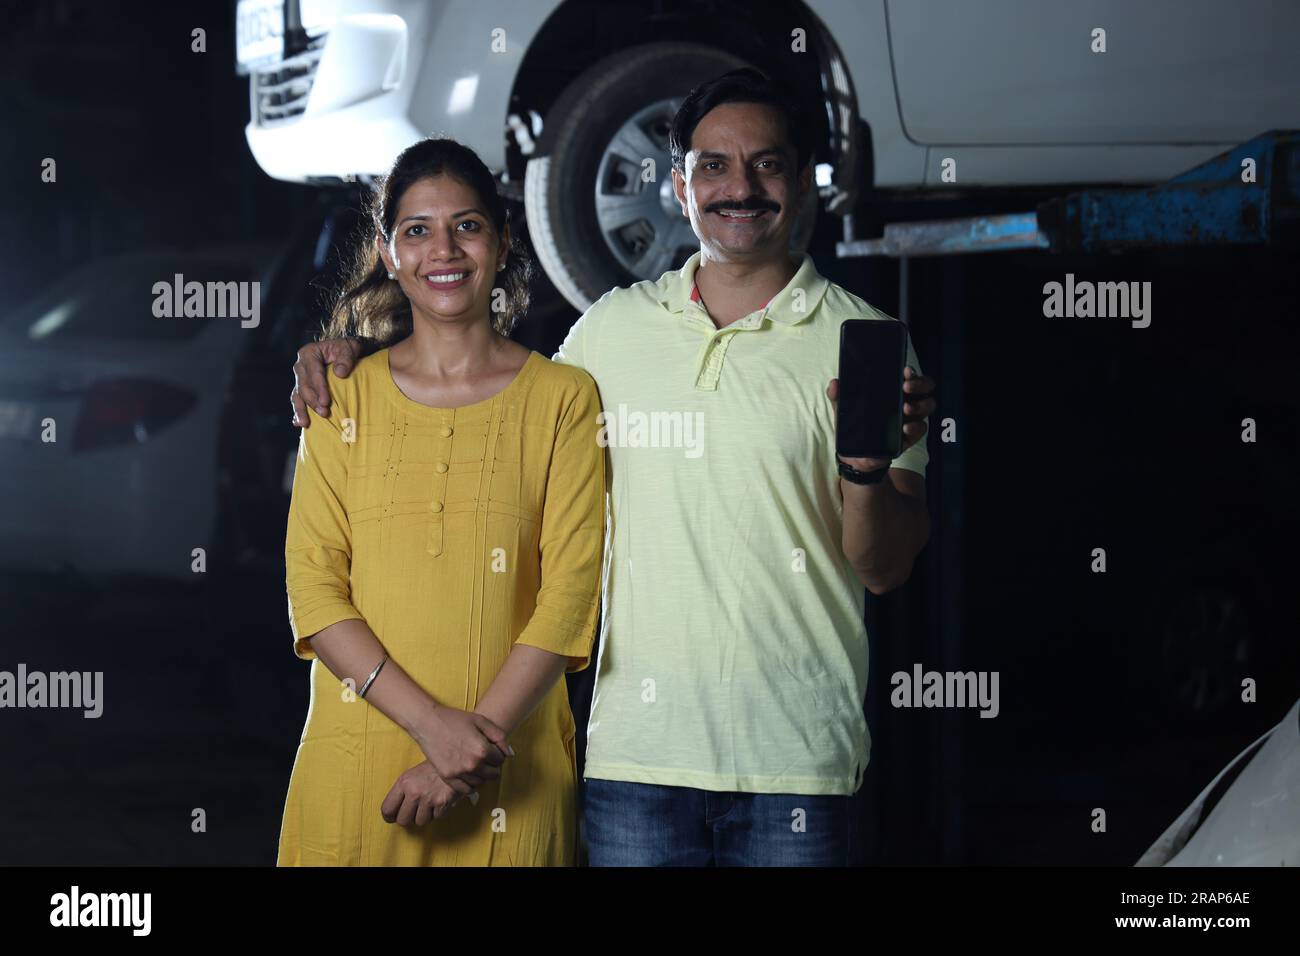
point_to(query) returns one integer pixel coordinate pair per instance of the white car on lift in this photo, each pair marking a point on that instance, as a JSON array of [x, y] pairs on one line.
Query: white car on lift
[[565, 99]]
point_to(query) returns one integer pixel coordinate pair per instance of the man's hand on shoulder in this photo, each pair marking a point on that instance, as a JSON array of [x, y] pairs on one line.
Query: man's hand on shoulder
[[310, 387]]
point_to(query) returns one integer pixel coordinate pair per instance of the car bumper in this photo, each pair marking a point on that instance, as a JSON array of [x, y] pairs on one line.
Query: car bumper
[[360, 139]]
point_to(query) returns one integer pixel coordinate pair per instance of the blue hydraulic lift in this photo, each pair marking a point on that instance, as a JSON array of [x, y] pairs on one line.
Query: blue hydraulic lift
[[1211, 204]]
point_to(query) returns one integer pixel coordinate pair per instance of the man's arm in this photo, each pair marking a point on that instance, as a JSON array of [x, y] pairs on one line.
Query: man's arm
[[885, 527], [886, 524]]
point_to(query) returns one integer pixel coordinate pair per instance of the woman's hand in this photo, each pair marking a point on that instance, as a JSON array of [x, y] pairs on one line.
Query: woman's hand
[[466, 749], [418, 796]]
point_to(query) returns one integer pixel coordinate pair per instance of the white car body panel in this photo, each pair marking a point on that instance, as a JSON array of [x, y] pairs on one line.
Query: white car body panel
[[1009, 90], [1006, 72], [1013, 94], [1257, 820]]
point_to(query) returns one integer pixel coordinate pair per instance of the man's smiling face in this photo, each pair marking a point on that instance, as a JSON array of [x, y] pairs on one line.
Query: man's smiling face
[[742, 189]]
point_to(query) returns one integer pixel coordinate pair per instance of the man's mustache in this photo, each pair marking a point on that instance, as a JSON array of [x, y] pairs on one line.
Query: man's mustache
[[754, 204]]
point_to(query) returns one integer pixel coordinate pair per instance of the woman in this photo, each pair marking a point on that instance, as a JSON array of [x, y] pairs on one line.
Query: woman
[[444, 550]]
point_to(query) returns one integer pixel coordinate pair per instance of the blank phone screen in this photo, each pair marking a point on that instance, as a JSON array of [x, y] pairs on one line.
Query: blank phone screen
[[869, 420]]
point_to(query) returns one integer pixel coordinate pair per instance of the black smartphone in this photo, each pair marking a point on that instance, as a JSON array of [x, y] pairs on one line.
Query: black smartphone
[[869, 409]]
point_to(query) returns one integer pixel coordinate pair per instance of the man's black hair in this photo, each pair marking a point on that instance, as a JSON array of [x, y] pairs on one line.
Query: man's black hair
[[746, 85]]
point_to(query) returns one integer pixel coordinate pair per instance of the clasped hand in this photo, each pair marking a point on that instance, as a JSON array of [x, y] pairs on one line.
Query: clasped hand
[[463, 750]]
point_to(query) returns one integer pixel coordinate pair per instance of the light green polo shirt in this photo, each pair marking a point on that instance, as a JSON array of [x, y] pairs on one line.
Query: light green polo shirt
[[733, 652]]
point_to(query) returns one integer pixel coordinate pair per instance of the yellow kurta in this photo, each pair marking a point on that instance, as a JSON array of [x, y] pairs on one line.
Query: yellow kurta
[[454, 534]]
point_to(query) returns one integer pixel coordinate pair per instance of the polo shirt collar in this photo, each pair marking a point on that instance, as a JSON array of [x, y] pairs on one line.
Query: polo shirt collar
[[675, 291]]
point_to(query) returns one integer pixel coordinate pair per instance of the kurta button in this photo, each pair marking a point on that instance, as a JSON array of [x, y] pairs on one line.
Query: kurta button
[[436, 507], [441, 467], [445, 431]]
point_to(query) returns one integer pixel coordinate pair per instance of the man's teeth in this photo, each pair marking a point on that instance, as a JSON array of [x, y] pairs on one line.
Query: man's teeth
[[450, 277], [741, 215]]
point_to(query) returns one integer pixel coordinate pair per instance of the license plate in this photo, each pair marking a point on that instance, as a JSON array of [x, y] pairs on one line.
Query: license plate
[[259, 31]]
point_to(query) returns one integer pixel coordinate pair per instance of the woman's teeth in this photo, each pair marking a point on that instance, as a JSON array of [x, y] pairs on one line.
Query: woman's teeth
[[450, 277]]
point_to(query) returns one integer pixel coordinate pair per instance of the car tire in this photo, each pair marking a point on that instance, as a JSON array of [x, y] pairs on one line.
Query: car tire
[[598, 134]]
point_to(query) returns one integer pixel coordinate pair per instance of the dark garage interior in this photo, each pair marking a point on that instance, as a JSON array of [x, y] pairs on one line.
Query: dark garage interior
[[1120, 690]]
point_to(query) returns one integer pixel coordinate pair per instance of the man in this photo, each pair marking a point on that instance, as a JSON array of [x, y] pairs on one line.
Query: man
[[727, 724]]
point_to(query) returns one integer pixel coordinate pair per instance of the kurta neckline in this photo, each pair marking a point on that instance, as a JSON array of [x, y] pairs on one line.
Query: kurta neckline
[[404, 401]]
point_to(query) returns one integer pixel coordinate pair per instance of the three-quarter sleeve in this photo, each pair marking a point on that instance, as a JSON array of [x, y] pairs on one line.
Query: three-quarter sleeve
[[318, 543], [572, 535]]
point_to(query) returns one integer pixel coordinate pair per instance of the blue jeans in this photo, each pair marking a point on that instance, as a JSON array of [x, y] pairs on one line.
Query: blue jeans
[[646, 824]]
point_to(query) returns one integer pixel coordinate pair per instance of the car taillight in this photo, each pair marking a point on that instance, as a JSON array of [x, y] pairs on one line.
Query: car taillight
[[128, 410]]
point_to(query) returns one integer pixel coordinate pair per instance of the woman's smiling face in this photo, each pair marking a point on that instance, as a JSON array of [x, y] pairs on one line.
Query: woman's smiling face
[[444, 249]]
